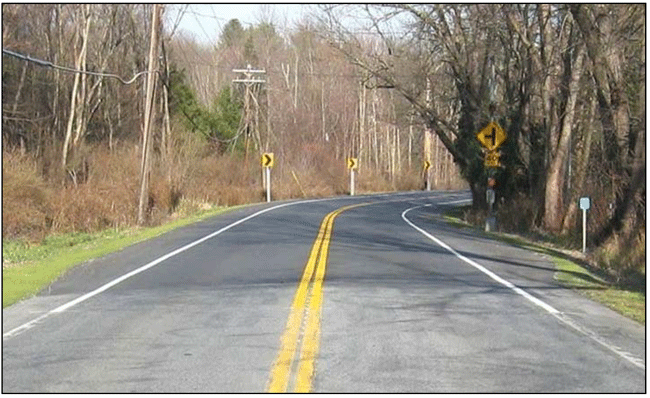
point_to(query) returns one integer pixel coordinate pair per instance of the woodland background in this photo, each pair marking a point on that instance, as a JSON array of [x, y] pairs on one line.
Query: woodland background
[[393, 85]]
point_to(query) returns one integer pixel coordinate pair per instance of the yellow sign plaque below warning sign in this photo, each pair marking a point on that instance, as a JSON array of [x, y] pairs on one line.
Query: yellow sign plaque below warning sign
[[492, 159], [267, 159]]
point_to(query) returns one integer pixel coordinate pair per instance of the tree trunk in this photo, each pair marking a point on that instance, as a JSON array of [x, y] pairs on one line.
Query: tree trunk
[[611, 96], [74, 108], [595, 26], [554, 191], [582, 159]]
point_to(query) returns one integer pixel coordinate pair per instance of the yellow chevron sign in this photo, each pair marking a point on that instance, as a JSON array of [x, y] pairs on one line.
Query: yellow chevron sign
[[353, 163], [267, 159]]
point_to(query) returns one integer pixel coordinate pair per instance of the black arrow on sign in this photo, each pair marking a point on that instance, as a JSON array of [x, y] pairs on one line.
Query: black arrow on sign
[[493, 136]]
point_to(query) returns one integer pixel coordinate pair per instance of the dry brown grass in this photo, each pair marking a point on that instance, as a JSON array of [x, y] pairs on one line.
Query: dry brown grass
[[624, 259], [26, 208], [107, 199], [517, 215], [39, 200]]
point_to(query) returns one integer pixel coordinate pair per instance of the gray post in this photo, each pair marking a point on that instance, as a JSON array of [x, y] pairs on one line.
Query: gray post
[[584, 231], [490, 221], [585, 204], [268, 184]]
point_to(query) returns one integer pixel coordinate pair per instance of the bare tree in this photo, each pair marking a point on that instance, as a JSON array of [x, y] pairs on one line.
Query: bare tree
[[605, 29]]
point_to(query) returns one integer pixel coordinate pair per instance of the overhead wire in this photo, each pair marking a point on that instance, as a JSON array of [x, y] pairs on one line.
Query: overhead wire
[[179, 16], [48, 64], [286, 30], [184, 11]]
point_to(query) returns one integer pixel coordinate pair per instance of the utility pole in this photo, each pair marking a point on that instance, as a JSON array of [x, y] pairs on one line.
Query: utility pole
[[250, 81], [148, 115], [427, 139]]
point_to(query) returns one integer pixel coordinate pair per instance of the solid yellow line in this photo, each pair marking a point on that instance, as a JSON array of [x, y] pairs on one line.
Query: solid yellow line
[[282, 367], [311, 339], [281, 372]]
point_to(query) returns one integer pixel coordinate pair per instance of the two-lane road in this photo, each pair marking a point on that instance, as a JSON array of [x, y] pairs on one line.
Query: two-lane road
[[361, 294]]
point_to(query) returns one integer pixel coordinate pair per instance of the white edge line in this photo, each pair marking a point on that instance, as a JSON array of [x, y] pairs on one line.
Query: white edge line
[[478, 266], [80, 299], [557, 314], [454, 202], [143, 268]]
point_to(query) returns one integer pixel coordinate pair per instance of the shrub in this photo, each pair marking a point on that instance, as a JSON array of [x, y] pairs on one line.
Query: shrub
[[26, 207], [624, 260]]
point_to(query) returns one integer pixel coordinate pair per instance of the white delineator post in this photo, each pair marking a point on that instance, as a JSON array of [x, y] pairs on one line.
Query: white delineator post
[[268, 184], [584, 231], [585, 204], [352, 166]]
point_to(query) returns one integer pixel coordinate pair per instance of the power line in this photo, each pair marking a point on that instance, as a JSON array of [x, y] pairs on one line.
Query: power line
[[286, 30], [48, 64], [384, 31], [277, 71], [224, 20]]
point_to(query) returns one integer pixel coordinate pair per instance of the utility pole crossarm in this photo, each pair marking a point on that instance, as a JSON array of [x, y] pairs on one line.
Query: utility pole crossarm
[[248, 81], [249, 71]]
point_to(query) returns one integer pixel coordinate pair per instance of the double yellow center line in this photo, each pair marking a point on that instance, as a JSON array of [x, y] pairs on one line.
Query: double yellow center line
[[306, 307]]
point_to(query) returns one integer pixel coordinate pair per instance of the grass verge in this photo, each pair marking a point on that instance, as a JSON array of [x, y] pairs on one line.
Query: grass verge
[[28, 268], [570, 274]]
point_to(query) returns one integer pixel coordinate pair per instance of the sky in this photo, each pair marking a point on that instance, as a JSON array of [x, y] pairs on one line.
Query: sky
[[205, 21]]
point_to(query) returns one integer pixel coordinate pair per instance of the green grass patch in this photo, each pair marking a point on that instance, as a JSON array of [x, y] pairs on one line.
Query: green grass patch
[[571, 275], [29, 267], [628, 303]]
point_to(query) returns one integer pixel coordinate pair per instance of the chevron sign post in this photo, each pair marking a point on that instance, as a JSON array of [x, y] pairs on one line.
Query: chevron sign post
[[267, 163], [353, 164]]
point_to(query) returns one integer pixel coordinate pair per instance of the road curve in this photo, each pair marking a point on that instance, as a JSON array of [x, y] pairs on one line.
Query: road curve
[[350, 294]]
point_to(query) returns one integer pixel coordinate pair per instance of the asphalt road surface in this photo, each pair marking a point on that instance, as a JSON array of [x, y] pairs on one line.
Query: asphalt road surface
[[351, 294]]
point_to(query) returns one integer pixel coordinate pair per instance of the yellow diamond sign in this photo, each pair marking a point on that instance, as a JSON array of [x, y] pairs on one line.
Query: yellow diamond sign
[[492, 136]]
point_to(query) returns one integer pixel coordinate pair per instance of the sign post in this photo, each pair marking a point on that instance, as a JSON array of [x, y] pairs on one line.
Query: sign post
[[352, 165], [585, 204], [268, 184], [267, 163], [490, 197], [491, 137]]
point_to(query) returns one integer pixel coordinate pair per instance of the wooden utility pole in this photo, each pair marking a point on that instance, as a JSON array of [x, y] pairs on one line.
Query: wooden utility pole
[[427, 141], [250, 81], [148, 116]]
